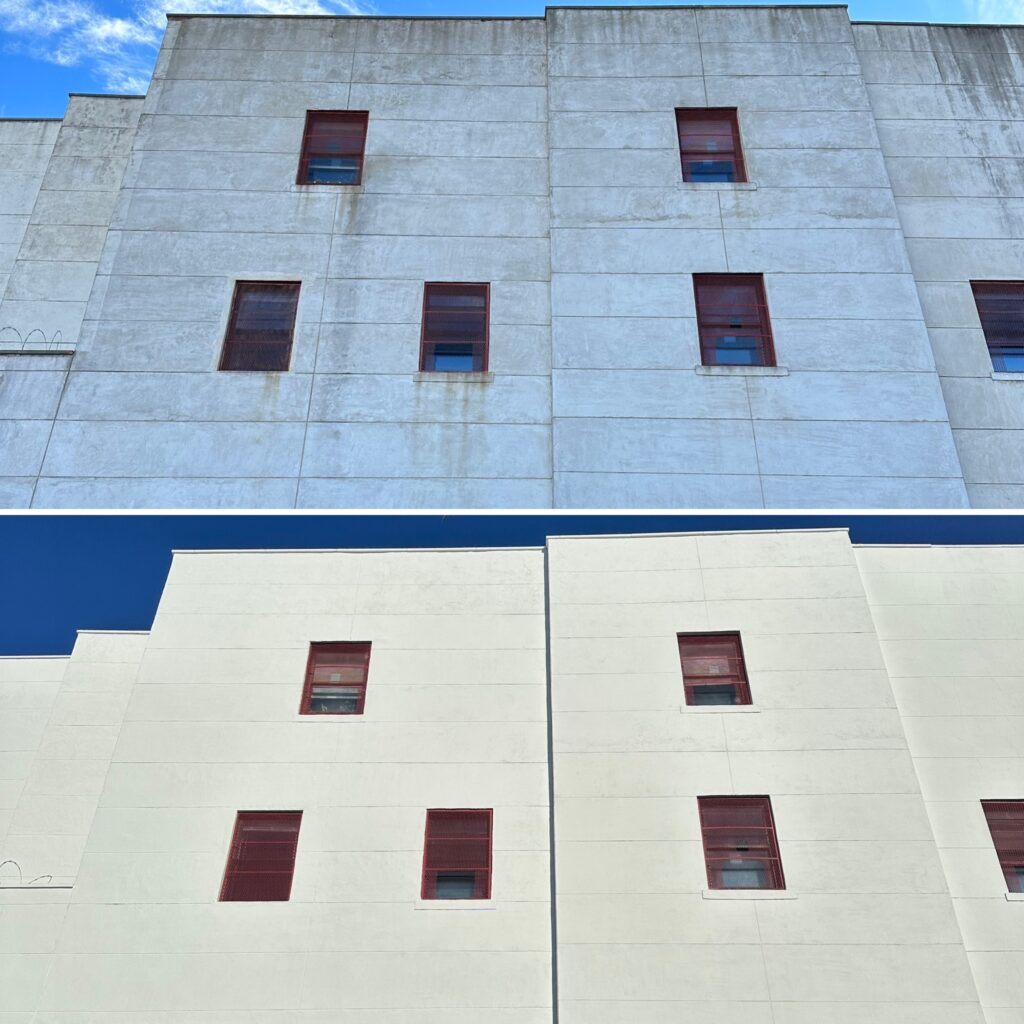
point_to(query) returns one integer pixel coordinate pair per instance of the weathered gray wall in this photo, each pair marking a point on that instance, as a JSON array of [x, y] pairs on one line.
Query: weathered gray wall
[[539, 155], [949, 104], [455, 188], [855, 417]]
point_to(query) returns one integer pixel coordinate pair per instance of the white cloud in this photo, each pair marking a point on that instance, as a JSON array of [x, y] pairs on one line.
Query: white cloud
[[999, 12], [120, 51]]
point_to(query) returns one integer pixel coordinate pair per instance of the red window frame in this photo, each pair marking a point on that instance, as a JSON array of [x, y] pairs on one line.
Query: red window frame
[[261, 349], [1006, 824], [354, 121], [1001, 312], [479, 346], [703, 667], [458, 841], [719, 316], [738, 831], [695, 145], [352, 654], [261, 858]]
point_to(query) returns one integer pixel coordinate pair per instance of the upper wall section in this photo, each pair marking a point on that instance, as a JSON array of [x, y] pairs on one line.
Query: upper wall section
[[50, 281], [949, 104], [25, 149]]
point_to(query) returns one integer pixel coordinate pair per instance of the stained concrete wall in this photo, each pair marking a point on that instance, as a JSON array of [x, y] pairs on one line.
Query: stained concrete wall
[[855, 415], [455, 188], [949, 104], [25, 149], [209, 725], [539, 155], [950, 624], [865, 929]]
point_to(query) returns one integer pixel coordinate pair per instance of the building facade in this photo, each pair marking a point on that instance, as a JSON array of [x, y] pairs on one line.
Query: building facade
[[882, 170], [878, 722]]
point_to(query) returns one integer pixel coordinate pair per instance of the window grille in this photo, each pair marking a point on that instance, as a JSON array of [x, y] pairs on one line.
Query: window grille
[[261, 326], [261, 861], [1006, 823], [457, 855], [733, 321], [1001, 310], [709, 144], [336, 676], [740, 847], [455, 327], [713, 669], [333, 147]]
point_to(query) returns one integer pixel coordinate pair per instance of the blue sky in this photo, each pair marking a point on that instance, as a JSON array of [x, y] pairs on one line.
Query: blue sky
[[49, 48], [68, 572]]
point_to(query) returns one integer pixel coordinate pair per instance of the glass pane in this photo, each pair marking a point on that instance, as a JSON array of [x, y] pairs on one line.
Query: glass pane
[[265, 308], [455, 885], [711, 170], [1016, 878], [737, 350], [338, 170], [454, 357], [744, 874], [1008, 360], [709, 695], [455, 325], [335, 699]]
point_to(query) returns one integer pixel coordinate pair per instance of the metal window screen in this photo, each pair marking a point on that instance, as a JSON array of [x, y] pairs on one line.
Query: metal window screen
[[713, 669], [1001, 310], [456, 327], [336, 675], [261, 861], [457, 855], [1006, 823], [740, 847], [709, 144], [261, 326], [333, 147], [732, 320]]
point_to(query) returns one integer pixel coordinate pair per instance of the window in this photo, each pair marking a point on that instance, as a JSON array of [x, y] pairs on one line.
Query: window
[[1006, 823], [713, 669], [457, 855], [455, 327], [740, 848], [262, 857], [261, 326], [333, 147], [336, 679], [732, 320], [1001, 309], [709, 144]]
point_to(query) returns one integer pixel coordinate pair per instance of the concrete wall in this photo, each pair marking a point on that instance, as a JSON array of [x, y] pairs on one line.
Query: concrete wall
[[25, 149], [455, 188], [865, 929], [539, 155], [52, 277], [455, 717], [855, 416], [949, 104], [886, 705], [950, 623]]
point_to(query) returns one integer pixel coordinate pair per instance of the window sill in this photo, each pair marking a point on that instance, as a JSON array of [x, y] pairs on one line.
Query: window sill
[[719, 709], [1014, 897], [324, 186], [741, 371], [720, 186], [422, 904], [748, 894], [1005, 375], [448, 376]]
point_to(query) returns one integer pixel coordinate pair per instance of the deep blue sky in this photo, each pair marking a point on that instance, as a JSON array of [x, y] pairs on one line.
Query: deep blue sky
[[49, 48], [59, 573]]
